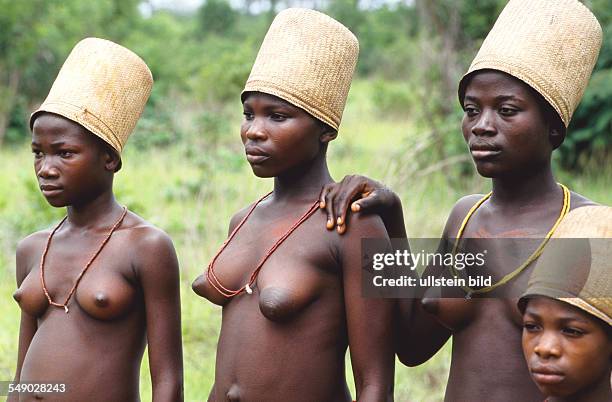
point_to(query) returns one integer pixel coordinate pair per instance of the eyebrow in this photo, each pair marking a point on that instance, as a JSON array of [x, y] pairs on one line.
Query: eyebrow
[[497, 98], [563, 319], [55, 144]]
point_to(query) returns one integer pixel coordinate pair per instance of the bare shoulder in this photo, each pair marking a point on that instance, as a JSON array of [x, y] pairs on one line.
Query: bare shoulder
[[365, 225], [146, 236], [459, 212], [239, 216], [28, 249]]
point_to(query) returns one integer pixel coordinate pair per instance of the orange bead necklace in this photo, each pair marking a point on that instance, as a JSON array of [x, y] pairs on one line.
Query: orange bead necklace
[[80, 276], [248, 287]]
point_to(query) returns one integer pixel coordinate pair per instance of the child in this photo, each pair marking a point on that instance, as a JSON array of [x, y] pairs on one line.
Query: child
[[567, 311]]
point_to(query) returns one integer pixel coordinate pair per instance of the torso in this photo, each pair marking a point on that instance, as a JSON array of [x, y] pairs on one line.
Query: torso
[[267, 338], [96, 348], [487, 357]]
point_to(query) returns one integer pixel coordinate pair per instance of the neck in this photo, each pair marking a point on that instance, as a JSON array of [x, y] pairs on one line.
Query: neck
[[303, 182], [524, 190], [93, 213]]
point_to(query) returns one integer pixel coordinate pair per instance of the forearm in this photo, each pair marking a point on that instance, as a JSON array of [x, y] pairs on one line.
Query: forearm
[[419, 335], [375, 393], [168, 390]]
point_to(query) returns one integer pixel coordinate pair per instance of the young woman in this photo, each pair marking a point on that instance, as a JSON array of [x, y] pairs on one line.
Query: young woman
[[518, 97], [567, 311], [291, 296], [103, 283]]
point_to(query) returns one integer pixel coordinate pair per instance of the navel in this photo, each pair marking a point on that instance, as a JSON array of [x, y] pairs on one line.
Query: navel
[[233, 394]]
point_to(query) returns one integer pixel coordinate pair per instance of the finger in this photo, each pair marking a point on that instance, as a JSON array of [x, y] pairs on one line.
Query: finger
[[326, 189], [329, 209], [368, 203], [340, 229], [350, 189]]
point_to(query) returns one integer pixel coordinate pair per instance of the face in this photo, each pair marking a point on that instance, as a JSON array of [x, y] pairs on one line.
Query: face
[[504, 126], [279, 137], [567, 351], [72, 166]]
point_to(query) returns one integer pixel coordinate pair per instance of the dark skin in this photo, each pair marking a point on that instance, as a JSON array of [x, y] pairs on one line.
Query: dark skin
[[511, 139], [568, 351], [128, 299], [287, 340]]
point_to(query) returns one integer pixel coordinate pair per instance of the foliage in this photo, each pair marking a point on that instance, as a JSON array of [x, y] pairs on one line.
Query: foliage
[[589, 131]]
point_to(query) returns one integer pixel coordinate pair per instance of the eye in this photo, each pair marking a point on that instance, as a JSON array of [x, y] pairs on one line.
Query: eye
[[37, 154], [573, 332], [470, 110], [531, 327], [248, 115], [66, 153], [278, 117], [507, 111]]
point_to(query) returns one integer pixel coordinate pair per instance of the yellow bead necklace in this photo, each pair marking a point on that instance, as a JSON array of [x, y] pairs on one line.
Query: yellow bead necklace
[[507, 278]]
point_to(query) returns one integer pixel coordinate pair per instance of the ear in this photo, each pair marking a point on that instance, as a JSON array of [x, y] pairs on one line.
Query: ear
[[112, 160], [328, 136], [556, 136]]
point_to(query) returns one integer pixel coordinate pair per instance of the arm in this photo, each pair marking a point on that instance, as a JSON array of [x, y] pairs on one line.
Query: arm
[[159, 277], [420, 335], [369, 321], [29, 324]]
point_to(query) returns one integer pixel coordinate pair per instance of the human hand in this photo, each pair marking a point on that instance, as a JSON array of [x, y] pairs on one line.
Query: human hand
[[362, 193]]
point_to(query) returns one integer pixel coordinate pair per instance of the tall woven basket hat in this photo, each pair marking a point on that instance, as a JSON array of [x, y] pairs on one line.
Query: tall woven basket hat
[[551, 45], [103, 87], [307, 58]]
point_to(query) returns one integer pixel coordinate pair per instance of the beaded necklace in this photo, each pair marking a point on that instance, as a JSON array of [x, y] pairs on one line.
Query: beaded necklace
[[80, 276], [248, 287], [508, 277]]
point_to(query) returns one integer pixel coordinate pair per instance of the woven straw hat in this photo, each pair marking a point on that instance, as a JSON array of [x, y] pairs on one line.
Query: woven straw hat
[[307, 59], [577, 268], [550, 45], [102, 86]]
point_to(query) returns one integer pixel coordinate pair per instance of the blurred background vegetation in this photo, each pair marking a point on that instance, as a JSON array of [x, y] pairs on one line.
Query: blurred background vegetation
[[184, 168]]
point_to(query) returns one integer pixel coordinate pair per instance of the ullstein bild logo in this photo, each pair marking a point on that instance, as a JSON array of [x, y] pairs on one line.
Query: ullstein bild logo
[[407, 268]]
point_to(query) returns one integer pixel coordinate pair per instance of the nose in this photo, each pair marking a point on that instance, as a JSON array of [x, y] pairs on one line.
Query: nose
[[255, 130], [45, 168], [547, 346], [485, 124]]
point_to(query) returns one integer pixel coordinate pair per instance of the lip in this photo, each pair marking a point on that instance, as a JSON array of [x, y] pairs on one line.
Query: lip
[[50, 190], [256, 155], [484, 151], [546, 375]]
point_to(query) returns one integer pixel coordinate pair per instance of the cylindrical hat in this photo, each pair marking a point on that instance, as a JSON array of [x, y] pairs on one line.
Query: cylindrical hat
[[307, 58], [576, 266], [550, 45], [102, 86]]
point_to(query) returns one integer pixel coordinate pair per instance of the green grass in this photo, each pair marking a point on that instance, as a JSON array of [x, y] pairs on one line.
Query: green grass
[[191, 190]]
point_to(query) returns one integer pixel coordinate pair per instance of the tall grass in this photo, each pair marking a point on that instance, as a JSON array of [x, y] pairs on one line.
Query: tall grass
[[192, 189]]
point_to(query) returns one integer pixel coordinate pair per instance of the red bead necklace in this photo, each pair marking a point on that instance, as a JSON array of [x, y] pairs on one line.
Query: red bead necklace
[[210, 273], [80, 276]]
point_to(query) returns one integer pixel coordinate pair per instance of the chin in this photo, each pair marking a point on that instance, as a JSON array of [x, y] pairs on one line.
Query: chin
[[262, 172], [486, 171], [57, 202]]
